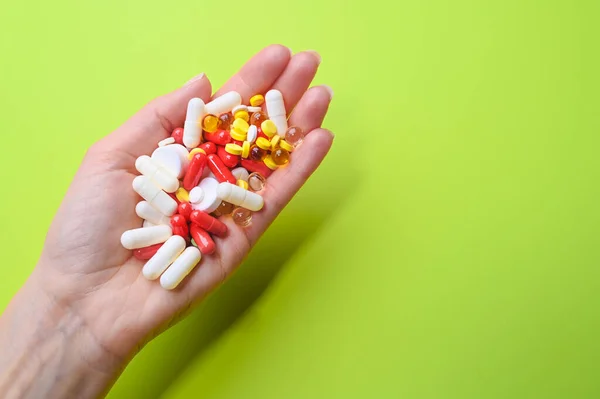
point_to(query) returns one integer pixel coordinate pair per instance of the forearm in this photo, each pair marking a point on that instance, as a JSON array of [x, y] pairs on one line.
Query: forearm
[[47, 351]]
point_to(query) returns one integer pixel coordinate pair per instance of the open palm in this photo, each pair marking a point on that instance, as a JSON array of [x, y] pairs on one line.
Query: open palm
[[83, 265]]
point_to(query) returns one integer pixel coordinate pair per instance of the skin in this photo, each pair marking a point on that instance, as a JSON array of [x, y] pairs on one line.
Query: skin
[[86, 310]]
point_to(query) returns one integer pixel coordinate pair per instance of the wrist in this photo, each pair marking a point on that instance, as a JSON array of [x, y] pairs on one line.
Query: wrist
[[48, 349]]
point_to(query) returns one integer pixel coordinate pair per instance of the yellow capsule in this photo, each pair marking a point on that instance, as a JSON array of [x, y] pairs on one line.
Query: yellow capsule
[[268, 128], [263, 143], [224, 209], [275, 142], [182, 195], [243, 184], [286, 146], [210, 123], [245, 149], [241, 216], [242, 115], [269, 162], [233, 149], [240, 126], [194, 152], [280, 157], [238, 136], [257, 100], [256, 181]]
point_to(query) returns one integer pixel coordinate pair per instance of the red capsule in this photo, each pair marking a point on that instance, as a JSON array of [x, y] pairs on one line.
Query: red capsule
[[228, 159], [240, 143], [178, 135], [205, 243], [209, 223], [146, 252], [256, 166], [220, 137], [185, 210], [194, 172], [221, 172], [209, 148], [180, 226]]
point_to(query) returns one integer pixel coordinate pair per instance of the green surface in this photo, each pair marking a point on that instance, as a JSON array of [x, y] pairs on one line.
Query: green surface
[[447, 248]]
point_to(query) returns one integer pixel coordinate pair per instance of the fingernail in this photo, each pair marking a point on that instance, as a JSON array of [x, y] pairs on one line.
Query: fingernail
[[194, 79], [332, 134], [291, 51], [329, 89], [317, 55]]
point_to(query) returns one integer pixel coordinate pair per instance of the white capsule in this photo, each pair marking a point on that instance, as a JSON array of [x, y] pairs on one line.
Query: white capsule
[[240, 173], [159, 175], [147, 224], [276, 111], [210, 202], [167, 141], [196, 195], [146, 236], [192, 128], [223, 104], [165, 255], [240, 197], [182, 266], [146, 211], [252, 134], [254, 109], [173, 158], [154, 195]]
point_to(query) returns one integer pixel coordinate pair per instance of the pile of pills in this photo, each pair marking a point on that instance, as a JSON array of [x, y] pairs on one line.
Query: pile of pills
[[213, 167]]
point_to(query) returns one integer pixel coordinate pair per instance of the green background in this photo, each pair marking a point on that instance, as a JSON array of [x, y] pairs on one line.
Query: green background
[[447, 248]]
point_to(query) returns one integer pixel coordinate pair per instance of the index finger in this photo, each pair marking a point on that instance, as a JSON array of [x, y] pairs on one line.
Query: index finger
[[259, 73]]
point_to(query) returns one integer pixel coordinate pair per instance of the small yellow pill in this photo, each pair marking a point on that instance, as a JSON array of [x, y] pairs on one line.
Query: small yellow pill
[[245, 149], [268, 128], [182, 195], [194, 152], [257, 100], [286, 146], [240, 126], [275, 142], [269, 162], [243, 184], [238, 136], [263, 143], [242, 115], [233, 149]]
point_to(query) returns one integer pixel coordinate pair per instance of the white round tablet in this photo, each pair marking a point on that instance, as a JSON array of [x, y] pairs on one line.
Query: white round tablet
[[211, 201], [173, 157], [196, 195]]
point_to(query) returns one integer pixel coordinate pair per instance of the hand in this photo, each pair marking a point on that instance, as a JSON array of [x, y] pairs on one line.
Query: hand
[[83, 266]]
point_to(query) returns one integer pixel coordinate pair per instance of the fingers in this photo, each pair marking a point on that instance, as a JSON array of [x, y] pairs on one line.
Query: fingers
[[297, 77], [283, 184], [259, 73], [312, 108], [141, 133]]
